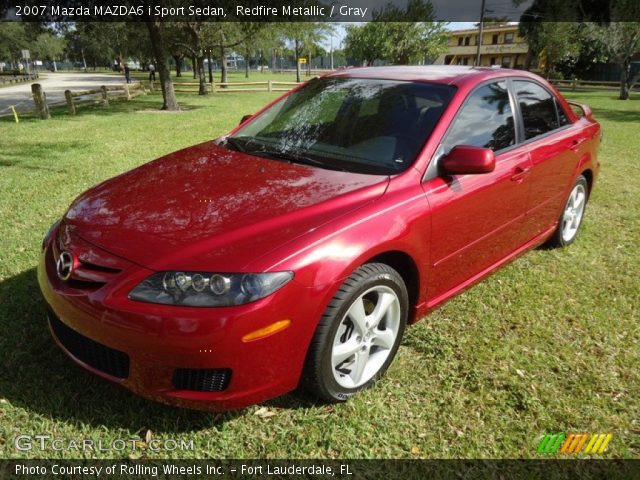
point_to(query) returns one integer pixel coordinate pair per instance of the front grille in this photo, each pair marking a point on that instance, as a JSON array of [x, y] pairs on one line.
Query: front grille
[[93, 267], [107, 360], [202, 380]]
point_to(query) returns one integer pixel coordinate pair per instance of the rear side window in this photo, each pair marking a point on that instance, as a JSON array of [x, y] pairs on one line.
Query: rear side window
[[538, 109], [485, 120]]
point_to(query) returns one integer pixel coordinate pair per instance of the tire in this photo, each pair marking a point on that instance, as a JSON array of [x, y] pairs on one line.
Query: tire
[[350, 351], [572, 215]]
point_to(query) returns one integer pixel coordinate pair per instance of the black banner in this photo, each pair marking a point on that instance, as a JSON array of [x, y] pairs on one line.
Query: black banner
[[321, 469], [319, 10]]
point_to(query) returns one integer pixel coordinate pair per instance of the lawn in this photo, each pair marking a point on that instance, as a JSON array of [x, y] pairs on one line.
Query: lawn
[[548, 344]]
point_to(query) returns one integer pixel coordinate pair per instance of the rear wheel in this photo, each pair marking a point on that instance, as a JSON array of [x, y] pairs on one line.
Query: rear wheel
[[572, 215], [358, 334]]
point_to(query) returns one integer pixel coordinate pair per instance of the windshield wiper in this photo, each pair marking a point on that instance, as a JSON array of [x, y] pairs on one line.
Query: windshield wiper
[[235, 144], [289, 157]]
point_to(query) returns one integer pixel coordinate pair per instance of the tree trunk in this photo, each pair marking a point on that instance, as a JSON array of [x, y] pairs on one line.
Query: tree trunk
[[246, 64], [193, 67], [170, 102], [297, 51], [624, 80], [210, 65], [178, 60], [223, 66], [309, 64], [201, 76]]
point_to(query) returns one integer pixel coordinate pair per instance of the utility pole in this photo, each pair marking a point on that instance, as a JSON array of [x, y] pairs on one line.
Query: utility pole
[[480, 34]]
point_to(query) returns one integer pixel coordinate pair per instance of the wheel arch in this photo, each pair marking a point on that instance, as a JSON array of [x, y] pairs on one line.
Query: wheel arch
[[588, 175], [406, 266]]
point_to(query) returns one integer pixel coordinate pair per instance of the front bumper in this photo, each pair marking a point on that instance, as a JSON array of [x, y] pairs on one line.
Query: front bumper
[[163, 342]]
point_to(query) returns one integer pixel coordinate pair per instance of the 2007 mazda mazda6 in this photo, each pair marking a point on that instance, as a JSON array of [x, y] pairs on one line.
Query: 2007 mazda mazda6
[[295, 250]]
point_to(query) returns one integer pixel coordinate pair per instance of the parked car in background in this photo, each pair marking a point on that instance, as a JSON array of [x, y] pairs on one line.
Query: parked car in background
[[296, 249]]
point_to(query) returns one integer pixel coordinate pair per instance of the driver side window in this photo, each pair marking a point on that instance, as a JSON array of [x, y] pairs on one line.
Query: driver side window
[[485, 120]]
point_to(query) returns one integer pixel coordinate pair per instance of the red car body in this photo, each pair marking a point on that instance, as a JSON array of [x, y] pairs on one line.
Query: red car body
[[192, 210]]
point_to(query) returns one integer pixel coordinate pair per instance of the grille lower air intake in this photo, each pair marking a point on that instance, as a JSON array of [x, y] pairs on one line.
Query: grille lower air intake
[[202, 380], [108, 360]]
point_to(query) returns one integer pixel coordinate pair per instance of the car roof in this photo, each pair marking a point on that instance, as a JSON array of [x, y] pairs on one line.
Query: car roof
[[445, 74]]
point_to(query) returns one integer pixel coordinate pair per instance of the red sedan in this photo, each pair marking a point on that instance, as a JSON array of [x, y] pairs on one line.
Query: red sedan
[[295, 250]]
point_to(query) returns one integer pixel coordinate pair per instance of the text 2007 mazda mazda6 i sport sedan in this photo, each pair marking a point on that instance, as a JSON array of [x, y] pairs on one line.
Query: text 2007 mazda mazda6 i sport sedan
[[295, 250]]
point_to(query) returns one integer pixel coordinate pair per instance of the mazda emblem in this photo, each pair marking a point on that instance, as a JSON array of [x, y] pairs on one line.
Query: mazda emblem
[[64, 266]]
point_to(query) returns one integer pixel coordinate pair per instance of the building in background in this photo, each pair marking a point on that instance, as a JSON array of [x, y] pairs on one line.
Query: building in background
[[501, 45]]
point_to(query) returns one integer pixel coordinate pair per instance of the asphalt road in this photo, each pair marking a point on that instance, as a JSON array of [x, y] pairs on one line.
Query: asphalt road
[[54, 85]]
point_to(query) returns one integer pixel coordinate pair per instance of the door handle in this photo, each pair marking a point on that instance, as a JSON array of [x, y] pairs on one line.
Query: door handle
[[520, 173], [576, 143]]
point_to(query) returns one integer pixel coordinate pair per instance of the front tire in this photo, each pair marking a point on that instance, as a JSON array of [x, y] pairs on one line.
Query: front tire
[[572, 215], [358, 334]]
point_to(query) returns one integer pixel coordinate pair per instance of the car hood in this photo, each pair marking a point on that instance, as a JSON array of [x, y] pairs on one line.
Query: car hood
[[210, 207]]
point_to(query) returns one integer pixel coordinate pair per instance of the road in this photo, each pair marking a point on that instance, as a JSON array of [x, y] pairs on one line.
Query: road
[[54, 85]]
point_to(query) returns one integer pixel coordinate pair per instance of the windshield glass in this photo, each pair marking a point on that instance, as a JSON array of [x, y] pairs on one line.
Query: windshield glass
[[350, 124]]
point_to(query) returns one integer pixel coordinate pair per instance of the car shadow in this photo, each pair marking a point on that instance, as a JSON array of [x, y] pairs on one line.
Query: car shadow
[[39, 378]]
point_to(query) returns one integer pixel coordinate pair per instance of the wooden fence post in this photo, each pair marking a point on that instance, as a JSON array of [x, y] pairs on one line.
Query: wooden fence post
[[40, 99], [71, 105], [269, 86], [126, 91], [213, 87], [151, 85], [105, 96]]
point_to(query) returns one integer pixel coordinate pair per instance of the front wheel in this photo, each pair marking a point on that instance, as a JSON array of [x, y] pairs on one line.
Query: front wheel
[[358, 334], [572, 215]]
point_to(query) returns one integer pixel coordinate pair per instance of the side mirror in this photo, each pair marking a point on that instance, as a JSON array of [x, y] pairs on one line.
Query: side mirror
[[244, 119], [464, 159]]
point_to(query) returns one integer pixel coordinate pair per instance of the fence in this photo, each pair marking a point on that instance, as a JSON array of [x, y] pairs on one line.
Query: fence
[[220, 87], [576, 84], [72, 99], [10, 78]]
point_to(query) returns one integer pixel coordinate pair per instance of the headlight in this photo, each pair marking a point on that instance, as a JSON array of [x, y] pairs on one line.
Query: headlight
[[47, 236], [199, 289]]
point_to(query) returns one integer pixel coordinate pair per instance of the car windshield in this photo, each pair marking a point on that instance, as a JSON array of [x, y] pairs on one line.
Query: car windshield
[[350, 124]]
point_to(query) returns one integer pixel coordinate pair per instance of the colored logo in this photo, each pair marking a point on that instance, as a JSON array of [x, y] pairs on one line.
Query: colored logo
[[589, 443]]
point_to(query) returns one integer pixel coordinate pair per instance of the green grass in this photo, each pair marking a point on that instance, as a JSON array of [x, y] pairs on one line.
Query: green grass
[[550, 343]]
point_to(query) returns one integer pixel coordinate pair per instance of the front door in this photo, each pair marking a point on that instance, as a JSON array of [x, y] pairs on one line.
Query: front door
[[476, 218]]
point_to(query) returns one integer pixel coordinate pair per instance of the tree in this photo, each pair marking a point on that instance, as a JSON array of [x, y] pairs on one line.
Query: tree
[[364, 43], [48, 46], [13, 38], [305, 37], [553, 42], [170, 102], [623, 41], [608, 31], [262, 42], [394, 37]]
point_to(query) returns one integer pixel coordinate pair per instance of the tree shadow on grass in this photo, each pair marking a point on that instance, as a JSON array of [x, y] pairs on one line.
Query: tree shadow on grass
[[39, 378], [617, 115], [38, 155]]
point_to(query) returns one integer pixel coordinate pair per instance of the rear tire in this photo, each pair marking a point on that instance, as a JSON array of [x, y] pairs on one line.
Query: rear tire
[[358, 334], [572, 215]]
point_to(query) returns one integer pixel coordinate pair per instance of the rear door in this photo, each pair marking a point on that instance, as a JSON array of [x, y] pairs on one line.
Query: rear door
[[477, 219], [553, 144]]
